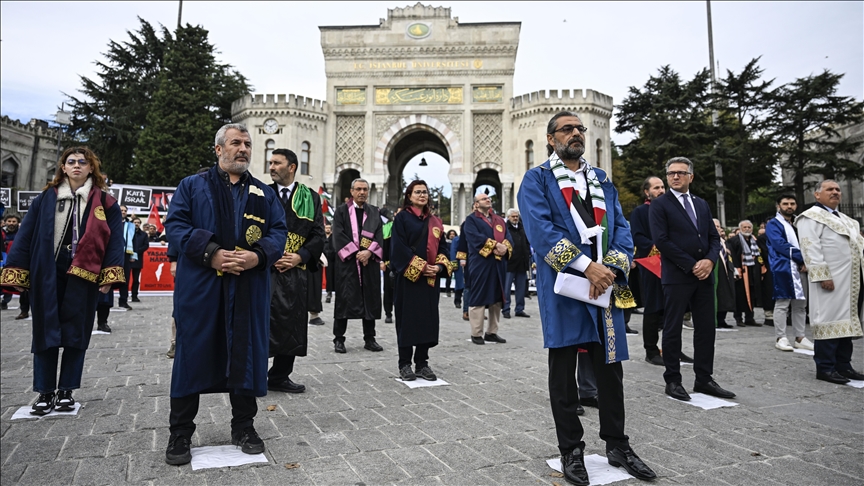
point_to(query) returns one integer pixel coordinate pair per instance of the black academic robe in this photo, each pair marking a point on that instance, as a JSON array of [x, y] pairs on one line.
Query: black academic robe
[[415, 297], [289, 315], [488, 273], [724, 282], [650, 289], [754, 276], [330, 253], [358, 287]]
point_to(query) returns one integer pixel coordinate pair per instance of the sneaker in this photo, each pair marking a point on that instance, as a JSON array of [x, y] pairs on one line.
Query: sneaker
[[406, 373], [248, 441], [44, 404], [103, 327], [64, 401], [426, 373], [804, 344], [783, 344], [688, 325], [178, 451], [170, 353]]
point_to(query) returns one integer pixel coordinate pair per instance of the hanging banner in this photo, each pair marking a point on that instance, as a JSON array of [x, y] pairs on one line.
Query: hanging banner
[[156, 273]]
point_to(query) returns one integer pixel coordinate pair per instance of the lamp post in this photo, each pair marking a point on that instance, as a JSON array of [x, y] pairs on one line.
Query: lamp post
[[62, 118], [718, 168]]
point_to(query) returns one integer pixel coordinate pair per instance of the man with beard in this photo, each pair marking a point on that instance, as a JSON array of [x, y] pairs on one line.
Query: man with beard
[[724, 280], [358, 241], [832, 247], [689, 245], [229, 229], [649, 283], [573, 218], [787, 265], [291, 274], [747, 258]]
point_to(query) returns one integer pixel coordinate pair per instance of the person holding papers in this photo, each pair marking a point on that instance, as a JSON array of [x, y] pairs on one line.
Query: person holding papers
[[574, 221], [689, 245]]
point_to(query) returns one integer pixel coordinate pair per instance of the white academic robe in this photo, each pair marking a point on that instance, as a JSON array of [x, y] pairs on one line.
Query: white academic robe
[[832, 249]]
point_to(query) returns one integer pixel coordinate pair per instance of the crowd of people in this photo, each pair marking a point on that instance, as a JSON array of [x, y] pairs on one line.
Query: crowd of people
[[248, 260]]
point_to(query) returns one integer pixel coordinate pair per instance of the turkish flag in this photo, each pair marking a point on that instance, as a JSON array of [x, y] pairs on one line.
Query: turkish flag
[[154, 218], [651, 263]]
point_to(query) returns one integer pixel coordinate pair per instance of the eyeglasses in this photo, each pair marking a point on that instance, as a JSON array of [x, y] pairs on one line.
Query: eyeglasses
[[568, 129], [421, 193], [81, 162], [677, 173]]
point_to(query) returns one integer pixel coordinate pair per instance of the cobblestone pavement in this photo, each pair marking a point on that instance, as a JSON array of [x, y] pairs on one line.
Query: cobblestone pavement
[[356, 425]]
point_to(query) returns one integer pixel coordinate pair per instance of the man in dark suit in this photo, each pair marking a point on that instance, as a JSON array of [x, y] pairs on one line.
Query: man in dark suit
[[688, 242]]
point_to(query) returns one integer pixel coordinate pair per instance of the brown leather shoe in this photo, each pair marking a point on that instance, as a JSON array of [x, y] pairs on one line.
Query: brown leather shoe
[[465, 316]]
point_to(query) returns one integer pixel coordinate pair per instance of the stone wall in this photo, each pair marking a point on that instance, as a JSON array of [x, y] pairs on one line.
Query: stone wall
[[28, 155]]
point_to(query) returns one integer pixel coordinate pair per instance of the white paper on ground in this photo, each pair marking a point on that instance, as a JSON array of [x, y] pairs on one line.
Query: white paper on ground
[[579, 288], [723, 329], [599, 470], [487, 342], [421, 383], [706, 402], [685, 364], [856, 383], [24, 412], [222, 456], [13, 308], [96, 331], [119, 309], [803, 351]]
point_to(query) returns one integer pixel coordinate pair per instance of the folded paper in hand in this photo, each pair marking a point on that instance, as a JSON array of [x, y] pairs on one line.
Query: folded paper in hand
[[579, 288]]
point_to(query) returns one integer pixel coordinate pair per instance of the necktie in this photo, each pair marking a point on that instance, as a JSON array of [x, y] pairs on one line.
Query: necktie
[[689, 209], [284, 195], [836, 213]]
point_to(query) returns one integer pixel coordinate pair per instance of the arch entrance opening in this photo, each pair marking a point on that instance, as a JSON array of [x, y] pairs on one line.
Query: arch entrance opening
[[407, 148]]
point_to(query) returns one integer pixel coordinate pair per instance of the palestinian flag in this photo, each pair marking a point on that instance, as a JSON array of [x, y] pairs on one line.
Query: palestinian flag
[[326, 205]]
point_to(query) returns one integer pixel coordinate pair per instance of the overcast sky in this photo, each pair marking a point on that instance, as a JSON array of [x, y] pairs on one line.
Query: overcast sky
[[605, 46]]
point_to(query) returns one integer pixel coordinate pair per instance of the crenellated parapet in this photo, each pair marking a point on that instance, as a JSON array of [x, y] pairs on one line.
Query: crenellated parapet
[[270, 105], [35, 126], [576, 100]]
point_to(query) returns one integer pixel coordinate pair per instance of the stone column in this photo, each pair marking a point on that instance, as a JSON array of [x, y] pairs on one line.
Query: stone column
[[454, 193]]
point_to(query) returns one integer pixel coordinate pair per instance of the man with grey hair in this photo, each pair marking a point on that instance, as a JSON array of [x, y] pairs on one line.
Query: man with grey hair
[[228, 229], [517, 265], [358, 240], [832, 247], [748, 259]]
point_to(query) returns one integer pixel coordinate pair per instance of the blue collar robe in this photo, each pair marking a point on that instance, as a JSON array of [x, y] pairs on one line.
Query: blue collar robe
[[782, 257], [488, 271], [553, 234], [204, 327]]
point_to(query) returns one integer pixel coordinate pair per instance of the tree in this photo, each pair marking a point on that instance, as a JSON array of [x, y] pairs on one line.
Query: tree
[[806, 115], [745, 149], [110, 114], [670, 118], [623, 181]]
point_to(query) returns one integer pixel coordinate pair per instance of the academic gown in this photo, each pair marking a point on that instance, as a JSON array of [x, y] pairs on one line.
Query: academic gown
[[783, 257], [650, 289], [415, 299], [353, 299], [488, 273], [724, 283], [754, 275], [33, 252], [458, 275], [289, 315], [553, 234], [204, 326]]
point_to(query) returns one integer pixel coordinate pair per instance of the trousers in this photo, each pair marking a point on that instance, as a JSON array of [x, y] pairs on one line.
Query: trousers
[[475, 316], [181, 418], [341, 325]]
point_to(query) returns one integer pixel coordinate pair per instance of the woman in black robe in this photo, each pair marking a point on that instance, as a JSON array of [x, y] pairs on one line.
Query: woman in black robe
[[418, 258]]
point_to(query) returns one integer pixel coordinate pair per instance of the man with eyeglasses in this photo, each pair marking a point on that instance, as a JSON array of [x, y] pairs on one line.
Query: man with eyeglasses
[[358, 240], [573, 218], [689, 246], [489, 247]]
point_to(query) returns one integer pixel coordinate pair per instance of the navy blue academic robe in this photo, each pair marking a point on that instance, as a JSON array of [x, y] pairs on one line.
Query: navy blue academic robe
[[204, 326], [488, 273]]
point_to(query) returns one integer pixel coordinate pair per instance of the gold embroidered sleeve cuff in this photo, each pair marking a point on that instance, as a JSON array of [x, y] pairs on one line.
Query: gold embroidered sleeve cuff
[[85, 274], [461, 255], [442, 260], [509, 248], [111, 275], [15, 277], [619, 260], [487, 248], [623, 297], [415, 269], [365, 243], [562, 254], [294, 242], [818, 273]]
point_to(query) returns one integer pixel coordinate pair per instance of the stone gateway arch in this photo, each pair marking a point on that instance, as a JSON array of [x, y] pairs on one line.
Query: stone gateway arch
[[419, 81]]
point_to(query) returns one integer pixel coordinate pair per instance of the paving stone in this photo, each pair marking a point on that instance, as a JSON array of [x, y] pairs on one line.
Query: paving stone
[[291, 450], [98, 471], [364, 419], [330, 471], [369, 440], [406, 435], [130, 442], [111, 424], [278, 474], [82, 446], [457, 456], [11, 474], [48, 473], [375, 467], [495, 450], [332, 444], [331, 422], [37, 451], [417, 461]]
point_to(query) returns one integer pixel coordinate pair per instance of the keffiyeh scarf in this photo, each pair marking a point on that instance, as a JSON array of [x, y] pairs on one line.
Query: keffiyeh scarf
[[569, 188]]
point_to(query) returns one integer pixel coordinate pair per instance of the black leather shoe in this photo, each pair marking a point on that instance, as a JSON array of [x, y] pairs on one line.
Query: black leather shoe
[[23, 315], [287, 386], [126, 306], [327, 300], [316, 322], [740, 323], [135, 299], [573, 467], [506, 315], [676, 391], [589, 402], [655, 360], [851, 374], [178, 451], [371, 345], [458, 303], [712, 388], [832, 377], [477, 340], [388, 320], [340, 347], [628, 459], [579, 409], [723, 325], [685, 359], [628, 330], [104, 327], [769, 322], [494, 338], [248, 441], [522, 314], [752, 323]]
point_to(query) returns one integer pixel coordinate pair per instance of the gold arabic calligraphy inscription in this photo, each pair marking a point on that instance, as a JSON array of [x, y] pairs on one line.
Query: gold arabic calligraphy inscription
[[487, 94], [418, 96], [355, 96]]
